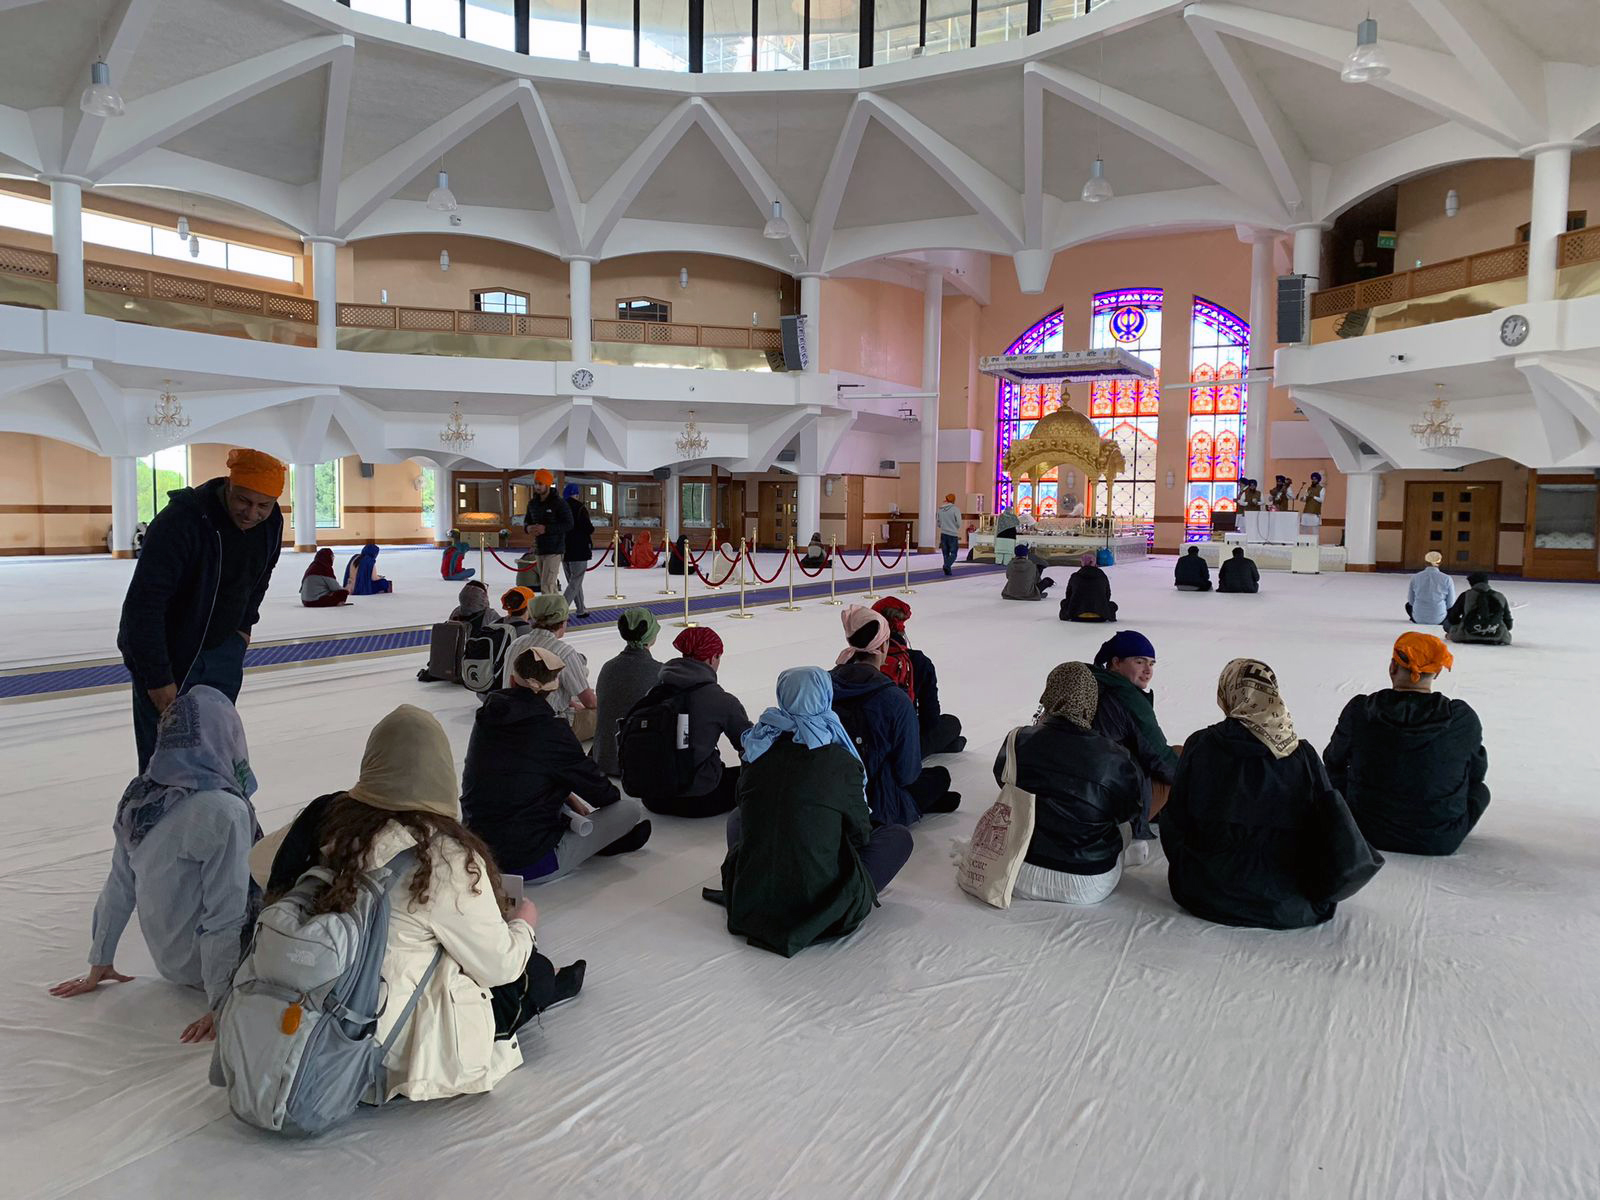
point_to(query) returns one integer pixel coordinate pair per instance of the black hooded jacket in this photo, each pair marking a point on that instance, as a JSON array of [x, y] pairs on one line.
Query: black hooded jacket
[[1238, 575], [1088, 591], [522, 762], [555, 514], [1411, 766], [1084, 785], [1191, 571]]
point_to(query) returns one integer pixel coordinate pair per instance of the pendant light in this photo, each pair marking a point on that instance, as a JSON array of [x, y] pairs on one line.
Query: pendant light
[[194, 246], [776, 227], [1367, 62], [183, 226], [1097, 187], [100, 99], [442, 199]]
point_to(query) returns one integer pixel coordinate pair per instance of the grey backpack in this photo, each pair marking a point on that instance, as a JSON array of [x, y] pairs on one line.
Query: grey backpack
[[297, 1043]]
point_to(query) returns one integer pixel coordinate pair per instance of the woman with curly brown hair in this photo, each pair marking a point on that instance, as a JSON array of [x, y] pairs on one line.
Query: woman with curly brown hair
[[491, 980]]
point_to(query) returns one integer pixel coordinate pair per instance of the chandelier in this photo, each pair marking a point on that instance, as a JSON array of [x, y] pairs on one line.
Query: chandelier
[[1438, 427], [456, 435], [691, 443], [169, 411]]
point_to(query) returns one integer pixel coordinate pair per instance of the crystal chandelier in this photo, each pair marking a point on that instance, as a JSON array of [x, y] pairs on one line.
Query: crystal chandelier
[[169, 411], [456, 435], [691, 442], [1438, 426]]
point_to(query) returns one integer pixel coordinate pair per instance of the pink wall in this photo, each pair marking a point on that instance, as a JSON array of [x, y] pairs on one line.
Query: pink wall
[[872, 328]]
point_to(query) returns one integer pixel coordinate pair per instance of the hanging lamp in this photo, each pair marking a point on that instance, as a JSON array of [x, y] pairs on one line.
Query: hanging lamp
[[1097, 187], [776, 227], [442, 199], [1367, 62], [100, 99]]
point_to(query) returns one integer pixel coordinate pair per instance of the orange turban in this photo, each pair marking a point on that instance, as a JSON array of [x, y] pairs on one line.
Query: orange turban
[[515, 601], [544, 477], [256, 472], [950, 498], [1422, 654]]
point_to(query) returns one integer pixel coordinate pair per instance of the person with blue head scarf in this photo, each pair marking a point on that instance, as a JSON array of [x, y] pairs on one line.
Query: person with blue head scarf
[[805, 863], [183, 834], [361, 576]]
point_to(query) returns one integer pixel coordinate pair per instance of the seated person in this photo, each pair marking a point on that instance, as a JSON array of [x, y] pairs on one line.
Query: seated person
[[522, 764], [643, 554], [361, 576], [681, 559], [816, 555], [1191, 573], [472, 606], [452, 561], [181, 857], [574, 701], [1025, 578], [490, 981], [882, 723], [1409, 761], [516, 601], [805, 863], [623, 682], [1479, 615], [1088, 595], [1085, 787], [1254, 833], [690, 684], [1238, 574], [1124, 667], [940, 731], [1431, 592], [319, 586]]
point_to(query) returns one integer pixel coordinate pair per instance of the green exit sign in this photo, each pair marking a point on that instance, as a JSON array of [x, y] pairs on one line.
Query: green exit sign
[[1385, 239]]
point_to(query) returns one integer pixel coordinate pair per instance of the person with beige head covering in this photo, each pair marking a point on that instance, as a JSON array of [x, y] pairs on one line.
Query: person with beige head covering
[[1085, 786], [1255, 833], [1431, 592], [462, 1036]]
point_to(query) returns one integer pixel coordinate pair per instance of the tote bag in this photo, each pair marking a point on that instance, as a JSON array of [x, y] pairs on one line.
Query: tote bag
[[988, 867]]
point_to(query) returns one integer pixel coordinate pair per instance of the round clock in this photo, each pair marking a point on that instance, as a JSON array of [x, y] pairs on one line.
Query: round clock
[[583, 379], [1514, 330]]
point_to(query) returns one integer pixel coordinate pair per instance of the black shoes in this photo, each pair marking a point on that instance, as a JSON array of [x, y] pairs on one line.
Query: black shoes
[[957, 746], [628, 842], [569, 982], [714, 896], [946, 803]]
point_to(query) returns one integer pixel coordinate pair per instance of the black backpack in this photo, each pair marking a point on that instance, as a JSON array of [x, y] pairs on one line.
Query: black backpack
[[653, 764], [852, 714]]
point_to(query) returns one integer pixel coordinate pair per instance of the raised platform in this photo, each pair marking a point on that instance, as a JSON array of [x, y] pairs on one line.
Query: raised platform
[[1271, 556], [1063, 548]]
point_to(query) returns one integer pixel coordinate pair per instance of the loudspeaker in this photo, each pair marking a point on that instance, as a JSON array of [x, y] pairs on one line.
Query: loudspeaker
[[368, 470], [796, 355], [1291, 308], [661, 473]]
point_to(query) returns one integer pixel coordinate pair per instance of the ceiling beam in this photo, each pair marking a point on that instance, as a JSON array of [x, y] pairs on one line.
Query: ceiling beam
[[80, 131], [1032, 160], [104, 407], [1496, 60], [759, 185], [335, 116], [825, 214], [553, 165]]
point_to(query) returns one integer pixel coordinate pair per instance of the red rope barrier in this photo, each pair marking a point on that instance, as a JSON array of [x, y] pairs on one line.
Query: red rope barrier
[[723, 550], [501, 561], [757, 571], [844, 561], [885, 563], [801, 563], [718, 583], [604, 554]]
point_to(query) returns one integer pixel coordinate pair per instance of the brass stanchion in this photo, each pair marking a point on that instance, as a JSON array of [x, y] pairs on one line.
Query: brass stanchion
[[872, 556], [686, 623], [666, 571], [716, 557], [833, 573], [908, 589], [741, 615], [616, 583], [791, 606]]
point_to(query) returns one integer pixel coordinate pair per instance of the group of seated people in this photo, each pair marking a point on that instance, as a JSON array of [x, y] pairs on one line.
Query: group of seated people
[[1238, 574], [1478, 615], [321, 588]]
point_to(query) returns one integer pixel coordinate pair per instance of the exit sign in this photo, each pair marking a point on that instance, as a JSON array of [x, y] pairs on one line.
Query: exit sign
[[1385, 239]]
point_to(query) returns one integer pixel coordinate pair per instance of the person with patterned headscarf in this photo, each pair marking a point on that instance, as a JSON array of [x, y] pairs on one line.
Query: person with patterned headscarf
[[1085, 787], [1411, 762], [1255, 833], [181, 857], [623, 682]]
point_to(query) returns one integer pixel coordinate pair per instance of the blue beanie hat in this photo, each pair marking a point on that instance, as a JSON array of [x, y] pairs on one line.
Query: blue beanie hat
[[1020, 552], [570, 490], [1128, 643]]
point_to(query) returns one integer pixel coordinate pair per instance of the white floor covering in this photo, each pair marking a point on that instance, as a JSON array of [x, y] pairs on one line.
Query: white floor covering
[[1438, 1040]]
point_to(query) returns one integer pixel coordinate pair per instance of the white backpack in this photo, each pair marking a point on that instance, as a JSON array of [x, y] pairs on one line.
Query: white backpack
[[987, 866]]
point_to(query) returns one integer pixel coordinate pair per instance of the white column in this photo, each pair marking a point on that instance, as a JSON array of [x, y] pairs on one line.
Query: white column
[[124, 504], [1552, 175], [928, 460], [305, 506], [1361, 519], [325, 289], [808, 507], [582, 315], [66, 239], [1257, 389], [811, 308], [1308, 253], [444, 504], [671, 507]]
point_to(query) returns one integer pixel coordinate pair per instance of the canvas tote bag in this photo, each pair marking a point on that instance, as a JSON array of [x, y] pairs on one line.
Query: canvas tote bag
[[987, 868]]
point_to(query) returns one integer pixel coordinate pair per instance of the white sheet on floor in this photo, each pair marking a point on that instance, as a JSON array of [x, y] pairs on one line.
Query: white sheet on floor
[[1436, 1041]]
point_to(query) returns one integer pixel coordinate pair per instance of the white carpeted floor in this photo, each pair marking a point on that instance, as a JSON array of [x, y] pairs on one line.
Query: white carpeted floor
[[1437, 1041]]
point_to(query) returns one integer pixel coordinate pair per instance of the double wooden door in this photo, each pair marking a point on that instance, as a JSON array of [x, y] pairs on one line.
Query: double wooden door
[[779, 514], [1461, 520]]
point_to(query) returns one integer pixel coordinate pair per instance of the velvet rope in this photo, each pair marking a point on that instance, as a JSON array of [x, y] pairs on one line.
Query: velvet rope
[[501, 561], [729, 575], [885, 563], [801, 563], [757, 570], [604, 554], [844, 561]]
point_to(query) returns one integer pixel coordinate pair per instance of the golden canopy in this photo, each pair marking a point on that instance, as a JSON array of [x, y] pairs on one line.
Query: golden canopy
[[1065, 436]]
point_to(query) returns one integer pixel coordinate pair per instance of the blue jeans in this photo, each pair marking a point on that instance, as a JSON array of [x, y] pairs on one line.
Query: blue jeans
[[949, 546], [221, 667]]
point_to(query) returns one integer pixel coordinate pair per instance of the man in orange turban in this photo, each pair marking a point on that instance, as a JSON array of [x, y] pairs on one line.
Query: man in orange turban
[[1411, 762], [549, 520], [196, 591]]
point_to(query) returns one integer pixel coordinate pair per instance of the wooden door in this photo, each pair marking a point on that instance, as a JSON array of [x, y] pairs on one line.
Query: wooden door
[[855, 502], [779, 515], [730, 511], [1458, 518]]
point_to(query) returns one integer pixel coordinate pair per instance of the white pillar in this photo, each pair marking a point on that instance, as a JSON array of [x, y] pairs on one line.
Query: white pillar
[[325, 289], [66, 239], [124, 504], [928, 460], [1361, 519], [582, 315], [305, 506], [1308, 253], [808, 507], [671, 507], [444, 504], [1552, 175], [1257, 389], [811, 309]]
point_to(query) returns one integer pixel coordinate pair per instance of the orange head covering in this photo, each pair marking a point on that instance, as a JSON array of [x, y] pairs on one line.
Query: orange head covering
[[949, 497], [515, 601], [256, 472], [543, 476], [1422, 654]]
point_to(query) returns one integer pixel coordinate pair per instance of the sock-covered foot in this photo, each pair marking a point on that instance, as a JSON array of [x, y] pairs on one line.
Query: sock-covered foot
[[957, 746], [628, 842], [569, 982], [946, 803], [1137, 854]]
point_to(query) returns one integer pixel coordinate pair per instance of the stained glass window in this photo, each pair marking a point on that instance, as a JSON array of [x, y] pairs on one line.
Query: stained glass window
[[1020, 406], [1129, 410], [1218, 345]]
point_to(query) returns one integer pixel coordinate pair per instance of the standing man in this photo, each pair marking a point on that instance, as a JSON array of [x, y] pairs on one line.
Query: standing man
[[949, 517], [196, 591], [580, 548], [548, 518]]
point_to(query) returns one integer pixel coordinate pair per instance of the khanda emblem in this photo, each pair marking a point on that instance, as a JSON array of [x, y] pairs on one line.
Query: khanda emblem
[[1127, 323]]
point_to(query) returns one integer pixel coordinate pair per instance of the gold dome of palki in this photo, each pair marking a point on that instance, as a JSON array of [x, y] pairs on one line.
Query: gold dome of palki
[[1065, 436]]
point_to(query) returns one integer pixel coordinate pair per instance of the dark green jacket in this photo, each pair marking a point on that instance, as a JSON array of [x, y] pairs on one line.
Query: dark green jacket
[[795, 877], [1144, 741]]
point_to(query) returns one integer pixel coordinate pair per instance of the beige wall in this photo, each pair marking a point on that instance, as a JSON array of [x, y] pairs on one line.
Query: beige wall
[[54, 497], [872, 328]]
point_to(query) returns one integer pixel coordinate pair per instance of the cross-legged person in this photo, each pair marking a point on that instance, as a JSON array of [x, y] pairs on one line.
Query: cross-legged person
[[574, 701], [1239, 574], [1191, 574], [1124, 667], [1088, 595], [624, 681], [940, 731]]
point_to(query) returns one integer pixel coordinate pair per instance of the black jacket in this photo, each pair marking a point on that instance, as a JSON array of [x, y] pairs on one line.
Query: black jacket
[[891, 749], [925, 685], [1411, 766], [1238, 575], [522, 762], [551, 511], [1084, 785], [167, 610], [713, 714], [580, 538], [1088, 591], [1486, 608], [1255, 840], [1191, 571]]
